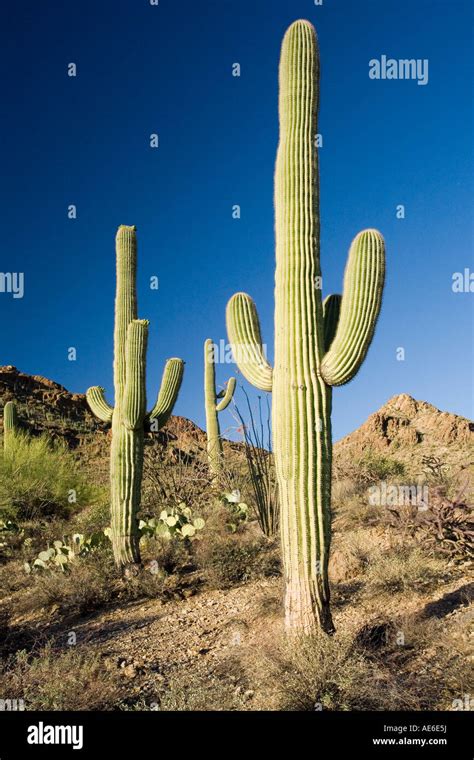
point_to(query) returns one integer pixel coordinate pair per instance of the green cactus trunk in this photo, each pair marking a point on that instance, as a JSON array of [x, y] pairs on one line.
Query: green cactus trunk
[[301, 399], [215, 453], [126, 454], [129, 418], [10, 424], [315, 348]]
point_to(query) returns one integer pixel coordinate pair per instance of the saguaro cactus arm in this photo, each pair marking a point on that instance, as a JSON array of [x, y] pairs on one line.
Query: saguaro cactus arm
[[226, 395], [134, 395], [243, 328], [168, 393], [361, 301], [98, 405], [125, 300], [331, 311]]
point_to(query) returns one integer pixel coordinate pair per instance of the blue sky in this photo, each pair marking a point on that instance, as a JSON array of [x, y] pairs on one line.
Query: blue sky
[[143, 69]]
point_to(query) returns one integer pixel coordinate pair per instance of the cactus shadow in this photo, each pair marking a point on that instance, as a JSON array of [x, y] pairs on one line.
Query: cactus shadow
[[461, 597], [343, 593], [89, 629]]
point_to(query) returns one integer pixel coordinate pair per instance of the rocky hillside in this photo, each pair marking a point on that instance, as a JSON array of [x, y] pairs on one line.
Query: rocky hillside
[[403, 428], [46, 406], [411, 430]]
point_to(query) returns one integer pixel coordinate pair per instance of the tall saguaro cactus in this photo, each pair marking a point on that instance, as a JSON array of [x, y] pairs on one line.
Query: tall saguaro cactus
[[317, 345], [129, 417], [10, 423], [215, 402]]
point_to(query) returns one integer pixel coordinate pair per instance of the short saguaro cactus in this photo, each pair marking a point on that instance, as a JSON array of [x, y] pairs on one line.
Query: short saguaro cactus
[[129, 417], [215, 402], [318, 344], [10, 423]]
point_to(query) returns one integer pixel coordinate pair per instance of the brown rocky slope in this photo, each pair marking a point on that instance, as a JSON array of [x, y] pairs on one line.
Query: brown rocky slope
[[403, 427]]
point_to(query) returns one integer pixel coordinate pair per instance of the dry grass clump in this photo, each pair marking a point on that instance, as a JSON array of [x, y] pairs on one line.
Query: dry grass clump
[[199, 693], [404, 568], [329, 673], [72, 679], [431, 657]]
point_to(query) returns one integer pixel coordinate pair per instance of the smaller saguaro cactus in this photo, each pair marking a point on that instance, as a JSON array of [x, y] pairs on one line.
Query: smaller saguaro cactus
[[215, 402], [10, 423], [128, 416]]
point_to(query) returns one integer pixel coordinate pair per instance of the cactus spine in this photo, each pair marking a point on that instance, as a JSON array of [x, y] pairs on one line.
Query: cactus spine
[[317, 345], [215, 402], [129, 417], [10, 423]]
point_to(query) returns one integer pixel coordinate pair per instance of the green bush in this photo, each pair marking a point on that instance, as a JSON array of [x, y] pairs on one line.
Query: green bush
[[374, 467], [40, 478]]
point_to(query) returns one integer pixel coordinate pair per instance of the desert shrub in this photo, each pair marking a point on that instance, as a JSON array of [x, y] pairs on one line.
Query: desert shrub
[[172, 477], [351, 554], [40, 477], [445, 527], [191, 693], [430, 656], [59, 680], [168, 555], [95, 517], [374, 467], [228, 560], [405, 568], [343, 488], [355, 512], [199, 696], [371, 467], [328, 673]]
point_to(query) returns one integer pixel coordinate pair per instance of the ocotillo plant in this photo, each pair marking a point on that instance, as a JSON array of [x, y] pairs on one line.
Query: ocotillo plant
[[215, 402], [128, 416], [259, 456], [315, 346], [10, 423]]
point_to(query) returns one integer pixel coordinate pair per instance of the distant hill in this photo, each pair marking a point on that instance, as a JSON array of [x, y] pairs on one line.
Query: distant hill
[[404, 428], [46, 406], [410, 430]]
